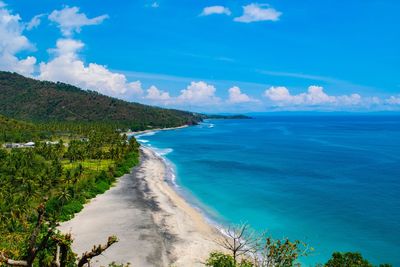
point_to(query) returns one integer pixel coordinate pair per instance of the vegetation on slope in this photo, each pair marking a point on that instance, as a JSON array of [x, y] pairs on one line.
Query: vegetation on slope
[[43, 101], [63, 175], [17, 131]]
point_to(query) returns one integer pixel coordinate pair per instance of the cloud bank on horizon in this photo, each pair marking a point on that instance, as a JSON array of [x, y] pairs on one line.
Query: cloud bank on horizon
[[66, 63]]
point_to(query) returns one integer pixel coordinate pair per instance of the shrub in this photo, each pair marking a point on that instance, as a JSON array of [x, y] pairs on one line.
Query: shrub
[[348, 259], [219, 259]]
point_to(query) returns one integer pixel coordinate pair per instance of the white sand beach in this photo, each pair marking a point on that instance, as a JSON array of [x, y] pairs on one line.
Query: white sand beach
[[156, 129], [155, 226]]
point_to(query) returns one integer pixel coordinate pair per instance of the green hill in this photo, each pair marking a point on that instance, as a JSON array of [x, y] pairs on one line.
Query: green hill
[[17, 131], [7, 124], [42, 101]]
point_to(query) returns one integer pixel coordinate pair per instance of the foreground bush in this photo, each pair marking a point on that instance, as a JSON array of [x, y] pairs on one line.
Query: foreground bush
[[219, 259], [247, 249], [350, 259]]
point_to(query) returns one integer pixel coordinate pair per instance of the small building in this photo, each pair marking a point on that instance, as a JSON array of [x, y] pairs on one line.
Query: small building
[[13, 145], [29, 144], [52, 143]]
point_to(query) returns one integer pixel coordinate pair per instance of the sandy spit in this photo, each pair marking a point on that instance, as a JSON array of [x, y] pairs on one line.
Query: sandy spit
[[155, 226], [156, 130]]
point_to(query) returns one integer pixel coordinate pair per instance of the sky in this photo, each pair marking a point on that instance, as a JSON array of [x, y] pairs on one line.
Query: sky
[[213, 56]]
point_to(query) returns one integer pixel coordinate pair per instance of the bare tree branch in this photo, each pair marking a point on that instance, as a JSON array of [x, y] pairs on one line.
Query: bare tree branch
[[239, 240], [56, 262], [32, 249], [96, 251], [12, 262]]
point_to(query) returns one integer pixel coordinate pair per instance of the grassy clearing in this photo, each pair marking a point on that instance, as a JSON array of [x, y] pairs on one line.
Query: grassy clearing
[[92, 165]]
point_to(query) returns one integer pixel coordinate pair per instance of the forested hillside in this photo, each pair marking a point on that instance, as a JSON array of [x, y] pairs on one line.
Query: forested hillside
[[17, 131], [42, 101], [48, 183]]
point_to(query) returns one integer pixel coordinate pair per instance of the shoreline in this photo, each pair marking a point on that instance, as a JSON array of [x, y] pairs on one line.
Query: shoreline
[[155, 225], [155, 130]]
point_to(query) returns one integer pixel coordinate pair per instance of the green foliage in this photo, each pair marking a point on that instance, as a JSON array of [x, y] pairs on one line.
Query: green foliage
[[18, 131], [281, 252], [349, 259], [41, 101], [67, 174], [113, 264], [219, 259]]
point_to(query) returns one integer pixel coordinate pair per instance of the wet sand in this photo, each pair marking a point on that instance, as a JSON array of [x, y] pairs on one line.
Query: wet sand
[[155, 226]]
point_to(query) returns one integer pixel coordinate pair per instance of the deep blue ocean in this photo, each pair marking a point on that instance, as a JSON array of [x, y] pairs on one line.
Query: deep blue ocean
[[332, 181]]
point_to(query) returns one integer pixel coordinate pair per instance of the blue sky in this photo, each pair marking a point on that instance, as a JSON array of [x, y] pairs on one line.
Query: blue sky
[[217, 56]]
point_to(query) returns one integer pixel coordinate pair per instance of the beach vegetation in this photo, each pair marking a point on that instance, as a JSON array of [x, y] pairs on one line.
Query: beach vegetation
[[46, 247], [247, 248], [349, 259], [238, 240], [60, 177], [242, 247], [219, 259]]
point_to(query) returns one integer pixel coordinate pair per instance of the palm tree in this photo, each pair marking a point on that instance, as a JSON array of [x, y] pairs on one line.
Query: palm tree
[[64, 196]]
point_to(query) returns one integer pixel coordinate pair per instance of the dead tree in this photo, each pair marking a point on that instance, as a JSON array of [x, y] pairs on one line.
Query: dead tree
[[34, 245], [12, 262], [96, 251], [239, 240], [62, 245]]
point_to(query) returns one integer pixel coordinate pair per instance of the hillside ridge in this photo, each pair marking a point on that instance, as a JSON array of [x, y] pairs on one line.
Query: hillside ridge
[[43, 101]]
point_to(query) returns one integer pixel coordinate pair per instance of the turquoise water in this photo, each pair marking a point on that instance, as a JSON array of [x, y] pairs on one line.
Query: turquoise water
[[331, 181]]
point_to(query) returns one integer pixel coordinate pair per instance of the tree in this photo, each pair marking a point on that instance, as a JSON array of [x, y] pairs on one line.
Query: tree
[[218, 259], [280, 253], [28, 175], [45, 238], [96, 251], [36, 242], [347, 259], [244, 244], [239, 241]]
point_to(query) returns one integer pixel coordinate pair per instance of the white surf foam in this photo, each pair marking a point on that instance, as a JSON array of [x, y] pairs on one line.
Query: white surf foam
[[146, 134], [163, 151]]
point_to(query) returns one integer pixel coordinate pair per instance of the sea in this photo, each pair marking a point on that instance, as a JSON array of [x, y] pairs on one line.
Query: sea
[[331, 181]]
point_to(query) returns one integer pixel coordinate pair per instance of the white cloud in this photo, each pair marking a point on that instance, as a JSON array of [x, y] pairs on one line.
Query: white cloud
[[12, 41], [315, 95], [34, 22], [279, 93], [156, 95], [393, 100], [66, 66], [236, 96], [198, 93], [155, 5], [258, 12], [69, 20], [349, 100], [220, 10]]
